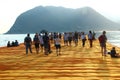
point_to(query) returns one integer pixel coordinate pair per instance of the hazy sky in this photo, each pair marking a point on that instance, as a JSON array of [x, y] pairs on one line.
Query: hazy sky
[[11, 9]]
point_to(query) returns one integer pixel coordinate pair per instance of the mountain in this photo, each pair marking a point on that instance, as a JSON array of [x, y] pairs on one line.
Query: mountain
[[60, 19]]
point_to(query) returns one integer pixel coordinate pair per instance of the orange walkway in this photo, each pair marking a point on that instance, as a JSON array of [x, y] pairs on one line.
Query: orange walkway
[[75, 63]]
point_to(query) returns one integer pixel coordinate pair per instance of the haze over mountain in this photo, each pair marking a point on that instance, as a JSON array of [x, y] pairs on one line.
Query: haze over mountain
[[61, 19]]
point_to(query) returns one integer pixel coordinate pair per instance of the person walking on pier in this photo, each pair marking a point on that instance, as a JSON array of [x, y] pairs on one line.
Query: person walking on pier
[[57, 45], [102, 40], [28, 43], [46, 41], [90, 38], [83, 37], [76, 36], [36, 42]]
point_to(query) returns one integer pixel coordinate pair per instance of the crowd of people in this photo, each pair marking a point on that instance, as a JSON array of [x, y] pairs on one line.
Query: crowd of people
[[42, 41]]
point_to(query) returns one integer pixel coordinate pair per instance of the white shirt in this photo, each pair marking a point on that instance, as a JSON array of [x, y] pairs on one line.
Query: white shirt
[[83, 36], [57, 41], [41, 40]]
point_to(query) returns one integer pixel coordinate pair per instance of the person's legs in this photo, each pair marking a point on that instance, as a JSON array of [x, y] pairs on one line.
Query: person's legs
[[56, 49], [49, 48], [26, 49], [76, 42], [42, 47], [37, 48], [83, 41], [59, 49], [30, 48], [69, 42], [104, 50], [46, 49], [90, 43]]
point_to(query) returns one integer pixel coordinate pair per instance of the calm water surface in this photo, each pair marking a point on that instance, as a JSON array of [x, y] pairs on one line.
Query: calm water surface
[[113, 37]]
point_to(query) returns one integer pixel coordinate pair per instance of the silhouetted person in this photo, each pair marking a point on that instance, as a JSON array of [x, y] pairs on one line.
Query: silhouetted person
[[94, 35], [28, 43], [90, 38], [58, 45], [41, 42], [114, 54], [83, 37], [70, 38], [36, 42], [46, 41], [16, 43], [65, 37], [8, 44], [13, 43], [76, 37], [102, 40]]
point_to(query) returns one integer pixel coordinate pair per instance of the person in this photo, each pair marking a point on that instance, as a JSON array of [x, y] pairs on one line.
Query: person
[[102, 40], [70, 38], [90, 38], [36, 42], [57, 45], [60, 35], [41, 42], [28, 43], [114, 54], [76, 36], [65, 37], [46, 43], [16, 43], [94, 35], [13, 44], [8, 44], [83, 37]]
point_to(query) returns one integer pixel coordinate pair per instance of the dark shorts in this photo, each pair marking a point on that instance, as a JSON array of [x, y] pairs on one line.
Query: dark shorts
[[41, 45], [36, 45], [103, 44], [69, 39], [66, 41], [58, 46], [46, 46]]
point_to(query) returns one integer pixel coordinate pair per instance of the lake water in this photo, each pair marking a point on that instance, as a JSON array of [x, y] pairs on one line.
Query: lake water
[[113, 37]]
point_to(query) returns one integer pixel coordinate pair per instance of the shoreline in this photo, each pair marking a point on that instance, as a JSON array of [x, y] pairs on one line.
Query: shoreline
[[113, 37]]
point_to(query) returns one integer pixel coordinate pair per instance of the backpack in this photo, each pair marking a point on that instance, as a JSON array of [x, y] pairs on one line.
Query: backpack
[[36, 40], [101, 38], [27, 39]]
